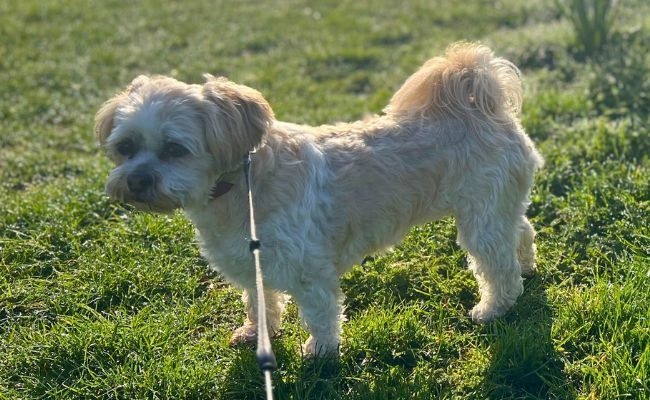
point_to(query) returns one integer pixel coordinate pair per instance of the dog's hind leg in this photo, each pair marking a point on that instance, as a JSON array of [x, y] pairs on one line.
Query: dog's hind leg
[[526, 248], [491, 236], [275, 302]]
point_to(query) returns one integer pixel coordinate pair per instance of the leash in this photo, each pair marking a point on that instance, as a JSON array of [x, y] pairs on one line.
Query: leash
[[265, 357]]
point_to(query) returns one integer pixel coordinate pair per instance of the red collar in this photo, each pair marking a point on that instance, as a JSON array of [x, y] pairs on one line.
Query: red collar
[[220, 188]]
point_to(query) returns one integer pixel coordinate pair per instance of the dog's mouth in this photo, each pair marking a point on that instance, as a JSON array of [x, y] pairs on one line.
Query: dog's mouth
[[143, 191], [151, 203], [153, 207], [147, 201], [141, 197]]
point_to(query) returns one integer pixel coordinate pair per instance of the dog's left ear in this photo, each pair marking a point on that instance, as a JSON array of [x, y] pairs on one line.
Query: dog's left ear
[[104, 117], [236, 118]]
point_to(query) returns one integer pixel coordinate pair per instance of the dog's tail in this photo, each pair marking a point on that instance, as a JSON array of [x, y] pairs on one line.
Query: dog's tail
[[469, 79]]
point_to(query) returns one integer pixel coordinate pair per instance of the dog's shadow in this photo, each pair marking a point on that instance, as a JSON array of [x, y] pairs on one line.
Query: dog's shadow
[[523, 359], [296, 377]]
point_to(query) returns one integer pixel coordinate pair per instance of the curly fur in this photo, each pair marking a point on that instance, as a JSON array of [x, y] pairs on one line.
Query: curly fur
[[449, 143]]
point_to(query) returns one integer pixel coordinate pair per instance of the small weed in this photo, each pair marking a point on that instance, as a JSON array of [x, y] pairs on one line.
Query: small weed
[[592, 22]]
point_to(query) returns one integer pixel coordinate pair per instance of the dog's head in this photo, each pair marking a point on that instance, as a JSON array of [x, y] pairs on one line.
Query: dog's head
[[171, 141]]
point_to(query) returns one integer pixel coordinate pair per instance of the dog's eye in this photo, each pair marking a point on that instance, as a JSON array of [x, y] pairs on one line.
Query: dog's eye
[[174, 150], [126, 148]]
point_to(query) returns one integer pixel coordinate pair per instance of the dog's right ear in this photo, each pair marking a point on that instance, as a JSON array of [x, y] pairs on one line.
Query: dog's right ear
[[104, 117]]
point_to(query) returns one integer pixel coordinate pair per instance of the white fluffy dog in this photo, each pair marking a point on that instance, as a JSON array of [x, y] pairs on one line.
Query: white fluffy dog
[[449, 143]]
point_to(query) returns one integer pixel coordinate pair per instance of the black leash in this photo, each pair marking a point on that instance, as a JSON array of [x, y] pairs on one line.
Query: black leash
[[265, 357]]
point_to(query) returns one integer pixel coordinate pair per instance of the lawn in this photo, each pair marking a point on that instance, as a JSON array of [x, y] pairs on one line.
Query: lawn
[[101, 302]]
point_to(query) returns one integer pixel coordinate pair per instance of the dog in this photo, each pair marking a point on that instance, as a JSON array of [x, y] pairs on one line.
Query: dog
[[449, 143]]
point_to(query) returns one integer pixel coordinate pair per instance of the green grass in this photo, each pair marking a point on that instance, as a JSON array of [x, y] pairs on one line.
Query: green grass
[[99, 302]]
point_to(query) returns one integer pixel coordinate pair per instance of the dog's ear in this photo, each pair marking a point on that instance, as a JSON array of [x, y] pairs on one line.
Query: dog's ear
[[236, 119], [104, 117]]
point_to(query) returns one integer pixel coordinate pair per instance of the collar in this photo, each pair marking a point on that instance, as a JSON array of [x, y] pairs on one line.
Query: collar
[[224, 183], [220, 188]]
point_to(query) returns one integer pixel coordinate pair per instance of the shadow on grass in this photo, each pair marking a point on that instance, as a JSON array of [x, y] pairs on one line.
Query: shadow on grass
[[524, 363], [295, 378]]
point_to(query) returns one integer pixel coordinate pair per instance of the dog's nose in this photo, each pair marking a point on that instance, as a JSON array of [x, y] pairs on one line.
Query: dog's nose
[[139, 181]]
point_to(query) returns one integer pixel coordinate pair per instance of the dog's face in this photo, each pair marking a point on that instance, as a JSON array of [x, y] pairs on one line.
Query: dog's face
[[171, 141]]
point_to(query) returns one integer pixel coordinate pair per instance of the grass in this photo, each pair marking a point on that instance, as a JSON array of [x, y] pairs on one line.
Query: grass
[[99, 302]]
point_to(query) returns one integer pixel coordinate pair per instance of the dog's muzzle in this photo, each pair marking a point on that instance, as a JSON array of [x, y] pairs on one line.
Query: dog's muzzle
[[141, 185]]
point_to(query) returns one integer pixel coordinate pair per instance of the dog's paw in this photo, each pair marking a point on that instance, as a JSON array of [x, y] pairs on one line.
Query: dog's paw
[[483, 313], [321, 348], [244, 335], [526, 257], [528, 268]]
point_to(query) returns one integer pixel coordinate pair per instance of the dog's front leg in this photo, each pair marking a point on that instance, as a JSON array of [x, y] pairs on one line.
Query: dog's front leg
[[321, 309], [275, 302]]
